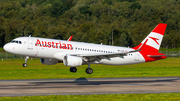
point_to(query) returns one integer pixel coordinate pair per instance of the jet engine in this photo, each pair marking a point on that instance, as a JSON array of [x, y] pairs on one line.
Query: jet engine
[[72, 61], [49, 61]]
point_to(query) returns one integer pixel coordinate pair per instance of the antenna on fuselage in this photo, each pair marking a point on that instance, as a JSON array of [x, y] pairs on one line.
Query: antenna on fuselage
[[29, 35]]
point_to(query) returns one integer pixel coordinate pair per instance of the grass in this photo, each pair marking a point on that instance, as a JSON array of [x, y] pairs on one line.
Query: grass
[[102, 97], [1, 49], [12, 69]]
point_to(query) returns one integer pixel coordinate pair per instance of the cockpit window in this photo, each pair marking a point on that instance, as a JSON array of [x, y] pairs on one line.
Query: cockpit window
[[12, 41], [20, 42], [16, 41]]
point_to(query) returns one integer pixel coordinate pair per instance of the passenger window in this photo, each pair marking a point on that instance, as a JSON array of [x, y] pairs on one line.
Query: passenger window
[[20, 42]]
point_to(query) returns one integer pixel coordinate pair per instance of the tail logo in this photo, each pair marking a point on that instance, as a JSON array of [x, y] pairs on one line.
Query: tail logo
[[155, 39]]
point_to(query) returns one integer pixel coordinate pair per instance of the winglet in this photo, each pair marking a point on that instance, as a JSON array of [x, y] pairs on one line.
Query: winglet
[[70, 38]]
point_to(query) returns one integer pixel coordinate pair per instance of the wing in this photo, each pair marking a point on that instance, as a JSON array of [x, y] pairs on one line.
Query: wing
[[98, 56]]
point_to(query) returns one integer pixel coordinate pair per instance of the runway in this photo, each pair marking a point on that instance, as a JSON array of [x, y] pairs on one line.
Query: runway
[[83, 86]]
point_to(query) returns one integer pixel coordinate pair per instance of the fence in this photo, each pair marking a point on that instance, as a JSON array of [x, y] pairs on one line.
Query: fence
[[171, 53], [6, 55]]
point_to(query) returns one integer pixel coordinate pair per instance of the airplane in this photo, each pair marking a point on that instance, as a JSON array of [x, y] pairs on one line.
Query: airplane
[[74, 54]]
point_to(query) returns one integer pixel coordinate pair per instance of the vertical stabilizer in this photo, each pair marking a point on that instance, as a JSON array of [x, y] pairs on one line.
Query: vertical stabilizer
[[149, 47], [153, 41]]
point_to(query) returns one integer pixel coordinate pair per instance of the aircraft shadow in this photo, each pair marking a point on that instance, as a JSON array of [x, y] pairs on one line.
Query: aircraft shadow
[[83, 81]]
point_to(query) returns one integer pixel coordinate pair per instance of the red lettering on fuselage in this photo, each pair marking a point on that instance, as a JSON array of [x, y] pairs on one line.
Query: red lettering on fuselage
[[53, 45], [69, 46], [63, 45], [57, 45], [38, 42], [49, 44]]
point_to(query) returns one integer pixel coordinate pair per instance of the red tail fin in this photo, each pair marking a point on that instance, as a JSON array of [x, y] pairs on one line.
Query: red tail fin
[[151, 44]]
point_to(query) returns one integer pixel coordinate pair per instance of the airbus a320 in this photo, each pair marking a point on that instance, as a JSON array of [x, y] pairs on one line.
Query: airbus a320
[[74, 54]]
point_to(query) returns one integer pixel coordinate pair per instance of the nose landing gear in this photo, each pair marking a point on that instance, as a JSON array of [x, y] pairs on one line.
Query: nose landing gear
[[25, 64]]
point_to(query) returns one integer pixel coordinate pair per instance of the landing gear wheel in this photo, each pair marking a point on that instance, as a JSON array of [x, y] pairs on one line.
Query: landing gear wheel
[[24, 64], [89, 71], [73, 69]]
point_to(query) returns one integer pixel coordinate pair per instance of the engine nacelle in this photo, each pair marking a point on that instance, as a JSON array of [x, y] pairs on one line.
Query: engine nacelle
[[72, 61], [49, 61]]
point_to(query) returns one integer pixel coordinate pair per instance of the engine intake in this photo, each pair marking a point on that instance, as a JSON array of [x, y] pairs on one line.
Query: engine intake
[[72, 61]]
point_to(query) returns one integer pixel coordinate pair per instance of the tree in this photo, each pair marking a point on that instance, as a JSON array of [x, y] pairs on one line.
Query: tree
[[123, 40], [2, 36], [84, 10], [109, 2], [135, 5], [59, 8], [11, 31]]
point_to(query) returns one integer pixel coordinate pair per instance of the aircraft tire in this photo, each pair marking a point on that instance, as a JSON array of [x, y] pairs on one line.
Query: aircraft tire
[[24, 64], [89, 71], [73, 69]]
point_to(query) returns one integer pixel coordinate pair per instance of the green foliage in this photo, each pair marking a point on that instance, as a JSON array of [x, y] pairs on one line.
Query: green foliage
[[57, 9], [126, 0], [135, 5], [90, 20], [123, 40], [1, 49], [84, 10], [109, 2]]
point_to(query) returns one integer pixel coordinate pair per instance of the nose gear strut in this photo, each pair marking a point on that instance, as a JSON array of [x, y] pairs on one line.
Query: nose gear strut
[[25, 64]]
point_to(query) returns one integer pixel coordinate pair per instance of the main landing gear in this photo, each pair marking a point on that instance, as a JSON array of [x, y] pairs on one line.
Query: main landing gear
[[73, 69], [25, 64], [88, 70]]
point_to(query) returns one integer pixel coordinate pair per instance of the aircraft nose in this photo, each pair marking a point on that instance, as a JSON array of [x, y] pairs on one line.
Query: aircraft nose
[[6, 47]]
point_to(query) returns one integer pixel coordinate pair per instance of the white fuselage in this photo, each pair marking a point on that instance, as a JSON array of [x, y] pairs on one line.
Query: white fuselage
[[47, 48]]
